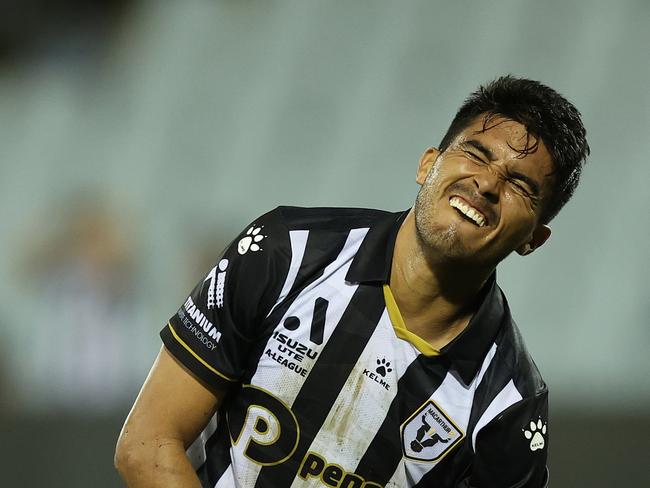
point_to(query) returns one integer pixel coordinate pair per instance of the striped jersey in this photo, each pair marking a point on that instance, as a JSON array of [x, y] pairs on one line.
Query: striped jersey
[[327, 387]]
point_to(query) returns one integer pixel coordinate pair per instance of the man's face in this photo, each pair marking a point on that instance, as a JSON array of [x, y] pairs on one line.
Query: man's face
[[482, 198]]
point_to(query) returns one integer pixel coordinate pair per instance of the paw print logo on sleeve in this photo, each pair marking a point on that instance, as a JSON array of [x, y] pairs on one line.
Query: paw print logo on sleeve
[[250, 241], [536, 434]]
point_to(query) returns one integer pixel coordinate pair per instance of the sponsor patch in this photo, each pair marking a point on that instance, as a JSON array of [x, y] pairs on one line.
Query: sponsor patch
[[198, 324], [429, 434]]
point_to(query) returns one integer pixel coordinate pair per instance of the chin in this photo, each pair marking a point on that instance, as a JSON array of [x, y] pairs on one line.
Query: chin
[[442, 239], [448, 242]]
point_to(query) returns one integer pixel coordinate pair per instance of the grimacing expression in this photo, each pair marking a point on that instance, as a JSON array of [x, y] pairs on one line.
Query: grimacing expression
[[482, 197]]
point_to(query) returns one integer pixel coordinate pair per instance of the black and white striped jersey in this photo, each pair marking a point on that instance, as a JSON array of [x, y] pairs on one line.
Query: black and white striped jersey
[[326, 385]]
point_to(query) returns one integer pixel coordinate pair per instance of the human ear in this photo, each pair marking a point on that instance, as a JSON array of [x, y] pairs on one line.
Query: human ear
[[426, 161], [540, 236]]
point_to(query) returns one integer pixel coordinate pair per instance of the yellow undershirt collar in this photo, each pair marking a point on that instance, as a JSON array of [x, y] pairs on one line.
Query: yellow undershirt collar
[[400, 327]]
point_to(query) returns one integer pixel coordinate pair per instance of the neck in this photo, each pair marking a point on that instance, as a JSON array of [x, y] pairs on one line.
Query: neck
[[436, 296]]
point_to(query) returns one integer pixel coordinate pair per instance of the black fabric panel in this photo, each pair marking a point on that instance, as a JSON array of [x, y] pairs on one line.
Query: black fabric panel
[[497, 376], [504, 456], [449, 472]]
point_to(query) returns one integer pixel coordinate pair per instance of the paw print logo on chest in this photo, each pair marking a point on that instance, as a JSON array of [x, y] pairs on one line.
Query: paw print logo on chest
[[383, 367], [535, 434], [250, 241]]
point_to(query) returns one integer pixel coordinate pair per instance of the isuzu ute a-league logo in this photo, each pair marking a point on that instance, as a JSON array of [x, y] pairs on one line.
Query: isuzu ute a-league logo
[[429, 434]]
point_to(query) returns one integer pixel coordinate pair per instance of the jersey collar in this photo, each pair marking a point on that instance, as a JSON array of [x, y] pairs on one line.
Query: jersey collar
[[374, 258], [466, 352]]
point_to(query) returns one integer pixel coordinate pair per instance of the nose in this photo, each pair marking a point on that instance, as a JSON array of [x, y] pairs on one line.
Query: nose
[[487, 183]]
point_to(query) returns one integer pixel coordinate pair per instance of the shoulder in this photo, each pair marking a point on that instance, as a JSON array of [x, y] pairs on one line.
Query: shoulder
[[516, 358], [333, 218], [294, 236], [510, 436], [273, 230]]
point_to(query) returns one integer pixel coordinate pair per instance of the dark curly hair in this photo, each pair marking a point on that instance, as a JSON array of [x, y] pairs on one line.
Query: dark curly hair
[[547, 115]]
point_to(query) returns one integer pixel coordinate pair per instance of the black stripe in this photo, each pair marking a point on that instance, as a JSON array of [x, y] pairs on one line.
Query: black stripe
[[336, 361], [451, 470], [417, 384], [322, 249]]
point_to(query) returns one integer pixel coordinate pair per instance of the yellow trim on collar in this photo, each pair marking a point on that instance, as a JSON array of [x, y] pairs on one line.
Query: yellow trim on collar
[[400, 327]]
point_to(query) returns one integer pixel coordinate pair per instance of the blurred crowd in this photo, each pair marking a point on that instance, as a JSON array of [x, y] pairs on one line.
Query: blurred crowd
[[80, 275], [63, 343], [85, 337], [80, 308]]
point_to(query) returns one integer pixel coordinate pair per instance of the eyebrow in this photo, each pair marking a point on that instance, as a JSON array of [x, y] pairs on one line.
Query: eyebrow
[[534, 186], [480, 147]]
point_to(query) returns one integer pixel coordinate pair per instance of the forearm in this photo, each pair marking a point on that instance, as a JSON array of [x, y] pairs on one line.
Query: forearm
[[159, 463]]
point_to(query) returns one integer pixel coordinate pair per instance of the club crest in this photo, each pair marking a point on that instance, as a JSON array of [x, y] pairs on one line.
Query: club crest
[[429, 434]]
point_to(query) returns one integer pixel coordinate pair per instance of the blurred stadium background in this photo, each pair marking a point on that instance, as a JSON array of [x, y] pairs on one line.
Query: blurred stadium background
[[138, 137]]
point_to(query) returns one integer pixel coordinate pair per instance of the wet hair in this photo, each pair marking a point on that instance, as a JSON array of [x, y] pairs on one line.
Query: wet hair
[[546, 114]]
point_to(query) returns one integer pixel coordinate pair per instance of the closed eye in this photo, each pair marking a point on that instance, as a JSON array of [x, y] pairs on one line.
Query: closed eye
[[524, 190], [526, 183], [519, 186], [474, 156]]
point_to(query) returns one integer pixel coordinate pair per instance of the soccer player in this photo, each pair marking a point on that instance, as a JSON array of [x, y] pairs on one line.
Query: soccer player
[[364, 348]]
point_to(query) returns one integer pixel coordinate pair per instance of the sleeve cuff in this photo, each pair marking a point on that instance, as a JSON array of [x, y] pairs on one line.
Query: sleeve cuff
[[192, 361]]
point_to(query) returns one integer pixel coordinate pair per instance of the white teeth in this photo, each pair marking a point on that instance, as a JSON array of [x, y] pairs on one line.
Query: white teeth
[[471, 212]]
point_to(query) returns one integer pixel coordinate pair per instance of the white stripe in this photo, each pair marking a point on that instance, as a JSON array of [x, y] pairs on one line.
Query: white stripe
[[298, 240], [285, 384], [486, 363], [505, 398]]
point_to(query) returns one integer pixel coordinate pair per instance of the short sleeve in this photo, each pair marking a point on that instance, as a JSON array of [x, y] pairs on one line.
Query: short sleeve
[[214, 328], [511, 450]]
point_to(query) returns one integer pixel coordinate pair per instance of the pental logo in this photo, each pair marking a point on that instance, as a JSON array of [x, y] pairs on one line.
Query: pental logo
[[429, 434]]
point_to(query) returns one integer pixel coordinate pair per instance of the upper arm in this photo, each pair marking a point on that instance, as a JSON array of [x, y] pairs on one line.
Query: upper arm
[[172, 406], [511, 450]]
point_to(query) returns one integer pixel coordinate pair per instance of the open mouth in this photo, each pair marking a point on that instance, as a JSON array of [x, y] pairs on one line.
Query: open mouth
[[470, 213]]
